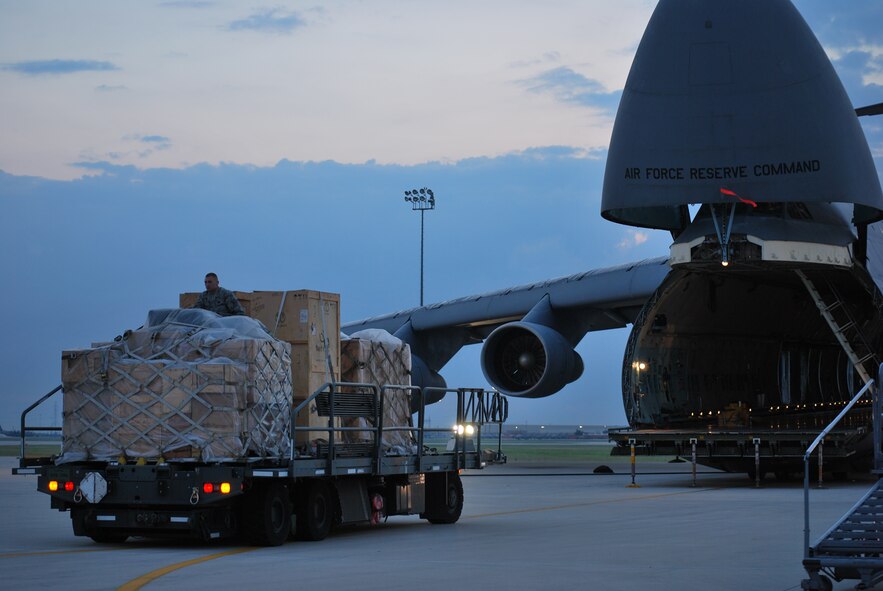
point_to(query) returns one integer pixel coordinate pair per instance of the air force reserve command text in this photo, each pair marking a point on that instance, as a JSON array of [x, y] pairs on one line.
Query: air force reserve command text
[[709, 173]]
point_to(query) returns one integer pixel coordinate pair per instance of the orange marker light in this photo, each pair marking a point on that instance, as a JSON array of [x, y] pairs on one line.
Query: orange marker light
[[225, 488], [208, 487], [53, 485]]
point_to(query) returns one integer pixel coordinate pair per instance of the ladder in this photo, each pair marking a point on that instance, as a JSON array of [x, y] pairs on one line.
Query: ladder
[[853, 547], [846, 330]]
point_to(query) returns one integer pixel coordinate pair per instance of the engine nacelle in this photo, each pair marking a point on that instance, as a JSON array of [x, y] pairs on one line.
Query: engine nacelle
[[424, 377], [529, 360]]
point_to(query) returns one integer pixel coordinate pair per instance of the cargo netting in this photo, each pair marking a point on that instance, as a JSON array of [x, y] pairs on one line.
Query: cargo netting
[[189, 384], [376, 357]]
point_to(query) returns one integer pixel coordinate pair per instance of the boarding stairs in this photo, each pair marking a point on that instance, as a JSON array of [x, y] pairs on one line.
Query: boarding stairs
[[844, 326], [853, 547]]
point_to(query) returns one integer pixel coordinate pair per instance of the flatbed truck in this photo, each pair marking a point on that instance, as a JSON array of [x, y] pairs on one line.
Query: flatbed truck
[[264, 501]]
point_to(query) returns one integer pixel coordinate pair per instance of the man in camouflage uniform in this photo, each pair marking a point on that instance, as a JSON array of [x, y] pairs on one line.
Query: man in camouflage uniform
[[217, 299]]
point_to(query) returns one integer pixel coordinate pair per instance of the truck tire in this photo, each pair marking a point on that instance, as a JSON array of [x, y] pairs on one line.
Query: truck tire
[[266, 517], [315, 512], [444, 498]]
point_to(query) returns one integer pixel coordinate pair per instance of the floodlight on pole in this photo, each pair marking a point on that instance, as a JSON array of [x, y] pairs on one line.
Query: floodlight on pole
[[421, 200]]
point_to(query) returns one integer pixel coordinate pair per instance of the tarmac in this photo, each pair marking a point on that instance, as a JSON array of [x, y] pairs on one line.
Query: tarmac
[[523, 527]]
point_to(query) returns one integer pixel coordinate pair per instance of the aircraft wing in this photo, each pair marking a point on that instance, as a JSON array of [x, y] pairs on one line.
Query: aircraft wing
[[543, 320]]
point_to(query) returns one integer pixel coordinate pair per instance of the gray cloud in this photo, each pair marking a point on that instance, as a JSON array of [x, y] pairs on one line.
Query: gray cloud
[[58, 66], [187, 4], [159, 139], [109, 88], [543, 203], [569, 86], [151, 143], [268, 21]]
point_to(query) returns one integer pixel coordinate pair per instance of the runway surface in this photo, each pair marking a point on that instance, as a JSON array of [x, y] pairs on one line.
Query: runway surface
[[522, 528]]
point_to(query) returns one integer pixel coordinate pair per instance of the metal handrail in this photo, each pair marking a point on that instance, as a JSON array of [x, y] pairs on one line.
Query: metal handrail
[[814, 445], [24, 429], [482, 407], [330, 388]]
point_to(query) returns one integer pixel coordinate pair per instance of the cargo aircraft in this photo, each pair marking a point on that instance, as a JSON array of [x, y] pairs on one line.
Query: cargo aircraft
[[766, 316]]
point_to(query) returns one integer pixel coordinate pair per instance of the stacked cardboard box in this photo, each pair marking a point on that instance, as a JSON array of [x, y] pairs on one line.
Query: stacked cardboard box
[[309, 321], [200, 393], [382, 363]]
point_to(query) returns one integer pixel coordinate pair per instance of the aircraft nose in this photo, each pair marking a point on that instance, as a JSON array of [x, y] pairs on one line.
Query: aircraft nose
[[706, 107]]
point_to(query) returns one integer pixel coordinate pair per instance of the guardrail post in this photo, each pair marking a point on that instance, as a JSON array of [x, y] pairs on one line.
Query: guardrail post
[[806, 504], [875, 423], [757, 462], [633, 484], [821, 453], [693, 445]]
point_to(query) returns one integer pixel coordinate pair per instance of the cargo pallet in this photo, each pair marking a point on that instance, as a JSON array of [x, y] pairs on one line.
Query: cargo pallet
[[267, 500]]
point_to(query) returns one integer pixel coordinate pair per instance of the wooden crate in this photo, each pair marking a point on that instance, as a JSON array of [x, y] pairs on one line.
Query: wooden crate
[[300, 316], [303, 384]]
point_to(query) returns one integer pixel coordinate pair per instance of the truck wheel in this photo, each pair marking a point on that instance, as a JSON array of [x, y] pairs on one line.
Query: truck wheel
[[315, 512], [267, 515], [444, 498]]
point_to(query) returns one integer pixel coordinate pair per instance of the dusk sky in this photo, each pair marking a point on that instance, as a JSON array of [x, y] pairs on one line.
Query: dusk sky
[[144, 143]]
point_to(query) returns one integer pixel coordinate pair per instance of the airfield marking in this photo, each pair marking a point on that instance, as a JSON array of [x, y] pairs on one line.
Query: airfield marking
[[146, 578], [589, 503]]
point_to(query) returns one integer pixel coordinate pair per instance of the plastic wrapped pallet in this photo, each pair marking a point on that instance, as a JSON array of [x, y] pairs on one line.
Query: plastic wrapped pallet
[[376, 357], [189, 384]]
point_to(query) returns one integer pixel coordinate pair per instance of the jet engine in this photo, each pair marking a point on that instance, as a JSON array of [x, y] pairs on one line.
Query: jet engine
[[529, 360]]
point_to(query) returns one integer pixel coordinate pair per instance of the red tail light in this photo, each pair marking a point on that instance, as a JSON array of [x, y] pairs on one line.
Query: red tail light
[[208, 487], [69, 486]]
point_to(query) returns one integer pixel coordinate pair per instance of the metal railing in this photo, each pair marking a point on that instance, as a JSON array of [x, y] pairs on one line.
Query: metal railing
[[821, 438], [24, 427], [474, 405]]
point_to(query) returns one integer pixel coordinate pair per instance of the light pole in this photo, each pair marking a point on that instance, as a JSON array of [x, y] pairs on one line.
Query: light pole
[[421, 200]]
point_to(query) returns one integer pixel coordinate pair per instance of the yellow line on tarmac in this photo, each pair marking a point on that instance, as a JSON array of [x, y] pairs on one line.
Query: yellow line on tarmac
[[588, 503], [144, 579]]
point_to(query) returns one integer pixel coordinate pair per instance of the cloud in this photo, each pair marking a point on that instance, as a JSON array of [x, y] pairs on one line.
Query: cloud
[[109, 88], [154, 139], [853, 40], [543, 223], [137, 145], [52, 67], [632, 239], [268, 21], [863, 61], [187, 4], [107, 168], [548, 57], [851, 22], [569, 86]]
